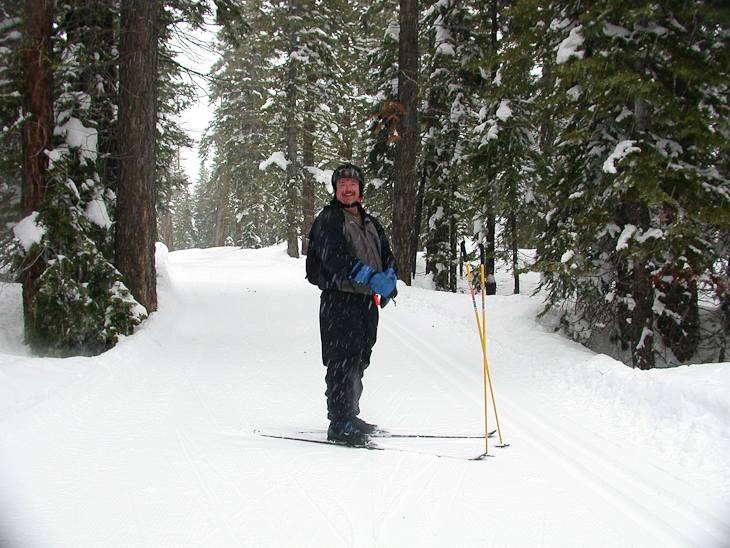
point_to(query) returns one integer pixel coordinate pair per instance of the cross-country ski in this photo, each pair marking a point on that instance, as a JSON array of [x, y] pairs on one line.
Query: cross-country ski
[[382, 433], [379, 443]]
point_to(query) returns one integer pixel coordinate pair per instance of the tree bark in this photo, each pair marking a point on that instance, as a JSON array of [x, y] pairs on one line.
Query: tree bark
[[37, 132], [636, 294], [308, 182], [136, 223], [292, 243], [405, 175], [221, 210], [168, 233]]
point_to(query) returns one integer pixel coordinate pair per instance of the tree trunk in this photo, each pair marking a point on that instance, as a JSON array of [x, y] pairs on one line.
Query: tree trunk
[[221, 210], [680, 324], [292, 232], [490, 284], [405, 175], [635, 293], [37, 132], [168, 237], [308, 182], [417, 219], [490, 280], [136, 223], [514, 243]]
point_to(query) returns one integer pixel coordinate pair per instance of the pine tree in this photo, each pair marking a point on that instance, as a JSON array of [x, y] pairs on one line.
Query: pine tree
[[81, 305], [636, 188], [380, 82], [484, 158], [404, 236], [507, 136], [11, 70], [448, 116], [77, 302], [281, 96]]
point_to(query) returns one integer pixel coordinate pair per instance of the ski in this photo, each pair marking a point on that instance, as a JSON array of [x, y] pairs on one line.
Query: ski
[[301, 436], [304, 437], [387, 434]]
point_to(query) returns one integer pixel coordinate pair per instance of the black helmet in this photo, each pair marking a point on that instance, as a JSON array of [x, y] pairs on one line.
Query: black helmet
[[348, 170]]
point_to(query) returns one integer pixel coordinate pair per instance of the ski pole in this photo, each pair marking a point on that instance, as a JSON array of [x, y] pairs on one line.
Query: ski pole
[[484, 350], [481, 340], [487, 376], [471, 288]]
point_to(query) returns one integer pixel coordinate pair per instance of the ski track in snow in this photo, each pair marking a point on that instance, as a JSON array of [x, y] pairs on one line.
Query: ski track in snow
[[152, 444]]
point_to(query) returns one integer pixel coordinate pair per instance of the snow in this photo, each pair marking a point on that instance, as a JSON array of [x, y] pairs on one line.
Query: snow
[[612, 30], [626, 234], [97, 212], [570, 46], [277, 158], [153, 443], [504, 113], [81, 137], [28, 231], [622, 149]]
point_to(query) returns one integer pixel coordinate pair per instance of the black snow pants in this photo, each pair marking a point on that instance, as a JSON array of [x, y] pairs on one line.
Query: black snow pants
[[348, 324]]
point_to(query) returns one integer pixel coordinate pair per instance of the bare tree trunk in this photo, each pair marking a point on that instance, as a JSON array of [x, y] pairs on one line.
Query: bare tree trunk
[[136, 223], [221, 210], [308, 183], [167, 231], [514, 243], [292, 244], [490, 280], [37, 132], [405, 157]]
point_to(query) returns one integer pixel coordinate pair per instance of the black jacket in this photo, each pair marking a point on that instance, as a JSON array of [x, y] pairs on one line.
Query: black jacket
[[328, 242]]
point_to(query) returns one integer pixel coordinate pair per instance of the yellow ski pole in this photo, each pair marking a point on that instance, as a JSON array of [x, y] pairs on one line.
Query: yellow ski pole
[[487, 376], [484, 350], [471, 288], [481, 339]]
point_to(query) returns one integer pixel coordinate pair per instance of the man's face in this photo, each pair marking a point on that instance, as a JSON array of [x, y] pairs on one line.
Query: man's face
[[347, 190]]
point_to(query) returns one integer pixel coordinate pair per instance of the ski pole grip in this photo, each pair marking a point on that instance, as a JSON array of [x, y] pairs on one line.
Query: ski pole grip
[[481, 253]]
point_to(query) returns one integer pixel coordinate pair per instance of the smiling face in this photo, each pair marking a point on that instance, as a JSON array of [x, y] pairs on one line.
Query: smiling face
[[347, 190]]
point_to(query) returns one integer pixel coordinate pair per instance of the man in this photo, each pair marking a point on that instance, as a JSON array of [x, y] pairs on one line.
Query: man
[[354, 263]]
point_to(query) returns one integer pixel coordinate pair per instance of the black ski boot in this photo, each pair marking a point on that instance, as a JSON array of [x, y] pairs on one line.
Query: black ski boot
[[364, 427], [347, 433]]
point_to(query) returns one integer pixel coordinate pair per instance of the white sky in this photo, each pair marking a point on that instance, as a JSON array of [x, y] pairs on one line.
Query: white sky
[[195, 119]]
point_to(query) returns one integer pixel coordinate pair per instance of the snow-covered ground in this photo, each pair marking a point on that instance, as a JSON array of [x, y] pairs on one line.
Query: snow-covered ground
[[153, 444]]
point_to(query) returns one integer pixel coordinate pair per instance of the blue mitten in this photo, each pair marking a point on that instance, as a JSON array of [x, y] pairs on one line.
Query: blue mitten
[[382, 284], [391, 274]]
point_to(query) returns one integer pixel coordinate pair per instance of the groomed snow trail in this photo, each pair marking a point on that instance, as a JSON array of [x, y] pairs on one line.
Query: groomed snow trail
[[153, 445]]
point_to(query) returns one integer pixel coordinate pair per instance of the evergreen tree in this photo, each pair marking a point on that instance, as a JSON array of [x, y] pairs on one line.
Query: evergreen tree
[[637, 185], [81, 305], [11, 70], [380, 68], [283, 103], [447, 118], [76, 302], [507, 144], [404, 236]]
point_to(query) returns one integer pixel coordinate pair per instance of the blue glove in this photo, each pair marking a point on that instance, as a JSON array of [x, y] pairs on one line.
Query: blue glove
[[362, 273], [382, 284], [391, 274]]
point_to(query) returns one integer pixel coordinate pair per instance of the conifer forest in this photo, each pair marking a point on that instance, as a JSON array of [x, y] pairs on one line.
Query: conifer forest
[[587, 140]]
